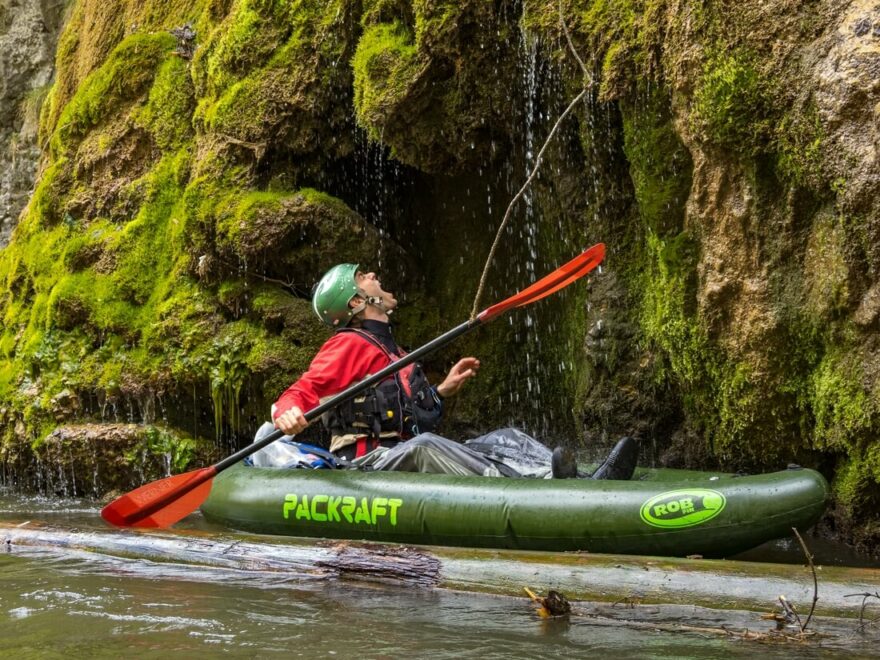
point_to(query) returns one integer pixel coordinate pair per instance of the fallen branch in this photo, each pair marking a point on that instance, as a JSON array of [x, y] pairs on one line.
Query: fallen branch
[[555, 604], [772, 636]]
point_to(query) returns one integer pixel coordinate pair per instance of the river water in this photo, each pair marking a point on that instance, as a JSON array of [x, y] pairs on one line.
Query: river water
[[75, 604]]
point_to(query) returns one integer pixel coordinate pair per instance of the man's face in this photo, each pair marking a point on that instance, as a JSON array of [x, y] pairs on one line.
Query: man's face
[[371, 286]]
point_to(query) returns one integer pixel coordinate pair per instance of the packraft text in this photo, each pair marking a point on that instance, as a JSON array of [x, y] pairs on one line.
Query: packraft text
[[332, 508]]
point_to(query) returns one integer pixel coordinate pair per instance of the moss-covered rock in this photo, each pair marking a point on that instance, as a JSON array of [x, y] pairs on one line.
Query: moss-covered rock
[[660, 166], [94, 459], [433, 82], [115, 275], [128, 72], [732, 103], [316, 231], [723, 153], [274, 75]]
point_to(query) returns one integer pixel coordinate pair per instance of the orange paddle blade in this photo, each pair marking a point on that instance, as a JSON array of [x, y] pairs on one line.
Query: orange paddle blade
[[161, 503], [551, 283]]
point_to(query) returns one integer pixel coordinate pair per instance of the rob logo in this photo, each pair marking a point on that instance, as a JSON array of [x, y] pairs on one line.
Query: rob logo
[[682, 508]]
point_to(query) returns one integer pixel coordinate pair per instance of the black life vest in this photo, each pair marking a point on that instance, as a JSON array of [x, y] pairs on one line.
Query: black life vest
[[404, 403]]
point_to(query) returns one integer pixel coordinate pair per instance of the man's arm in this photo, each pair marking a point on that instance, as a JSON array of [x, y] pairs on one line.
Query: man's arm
[[338, 364]]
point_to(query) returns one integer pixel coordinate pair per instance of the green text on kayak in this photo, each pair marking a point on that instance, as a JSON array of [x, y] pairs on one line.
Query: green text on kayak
[[331, 508], [682, 508]]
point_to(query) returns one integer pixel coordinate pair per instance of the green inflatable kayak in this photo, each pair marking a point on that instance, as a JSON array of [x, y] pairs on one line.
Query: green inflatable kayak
[[658, 512]]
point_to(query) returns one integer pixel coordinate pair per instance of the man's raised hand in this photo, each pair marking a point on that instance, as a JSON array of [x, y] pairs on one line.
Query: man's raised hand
[[462, 370]]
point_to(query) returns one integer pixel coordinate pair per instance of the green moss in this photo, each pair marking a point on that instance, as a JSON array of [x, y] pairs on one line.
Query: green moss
[[228, 360], [169, 108], [856, 483], [93, 30], [278, 308], [9, 378], [273, 71], [385, 66], [231, 294], [660, 166], [255, 202], [250, 225], [386, 11], [436, 22], [111, 281], [844, 411], [46, 203], [621, 39], [186, 319], [732, 103], [123, 78], [86, 293], [239, 112], [56, 98], [204, 197], [751, 416], [434, 83], [665, 317], [719, 394], [244, 41], [827, 272], [145, 246], [798, 143]]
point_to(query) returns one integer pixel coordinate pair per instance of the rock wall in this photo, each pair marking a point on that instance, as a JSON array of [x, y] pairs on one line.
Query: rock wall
[[28, 35], [197, 183]]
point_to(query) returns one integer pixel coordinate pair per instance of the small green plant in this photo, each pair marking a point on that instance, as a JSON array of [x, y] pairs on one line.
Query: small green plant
[[179, 452]]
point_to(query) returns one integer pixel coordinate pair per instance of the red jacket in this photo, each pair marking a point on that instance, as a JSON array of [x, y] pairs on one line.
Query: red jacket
[[345, 358]]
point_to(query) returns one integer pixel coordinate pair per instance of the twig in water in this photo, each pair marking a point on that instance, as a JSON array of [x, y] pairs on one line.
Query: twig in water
[[865, 596], [703, 631], [815, 580]]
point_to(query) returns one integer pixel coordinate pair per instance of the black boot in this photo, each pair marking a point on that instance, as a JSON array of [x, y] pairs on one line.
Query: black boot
[[621, 462], [563, 464]]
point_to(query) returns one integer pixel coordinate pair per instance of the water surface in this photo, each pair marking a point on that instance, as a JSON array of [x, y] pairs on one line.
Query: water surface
[[75, 604]]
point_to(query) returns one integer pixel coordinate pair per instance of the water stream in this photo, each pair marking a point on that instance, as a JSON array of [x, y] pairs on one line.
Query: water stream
[[70, 603]]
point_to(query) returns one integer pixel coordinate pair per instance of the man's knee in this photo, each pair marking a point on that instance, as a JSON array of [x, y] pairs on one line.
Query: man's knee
[[425, 440]]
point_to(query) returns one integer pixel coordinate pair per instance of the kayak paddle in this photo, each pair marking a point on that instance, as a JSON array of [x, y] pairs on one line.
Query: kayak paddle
[[164, 502]]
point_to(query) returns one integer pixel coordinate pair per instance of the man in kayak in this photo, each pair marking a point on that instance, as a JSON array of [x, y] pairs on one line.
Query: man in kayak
[[389, 427]]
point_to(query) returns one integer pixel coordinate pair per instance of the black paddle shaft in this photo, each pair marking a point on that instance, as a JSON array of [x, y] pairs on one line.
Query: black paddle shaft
[[352, 390]]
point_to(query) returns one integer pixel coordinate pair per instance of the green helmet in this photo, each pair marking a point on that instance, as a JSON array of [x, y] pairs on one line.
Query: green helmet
[[333, 293]]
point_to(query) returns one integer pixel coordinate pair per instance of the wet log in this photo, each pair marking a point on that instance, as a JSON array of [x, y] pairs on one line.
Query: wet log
[[717, 584]]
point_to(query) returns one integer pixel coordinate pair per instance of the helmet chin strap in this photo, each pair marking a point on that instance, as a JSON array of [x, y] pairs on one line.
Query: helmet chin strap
[[375, 301]]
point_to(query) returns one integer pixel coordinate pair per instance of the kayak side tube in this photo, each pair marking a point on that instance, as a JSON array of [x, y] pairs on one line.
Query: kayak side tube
[[658, 514]]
